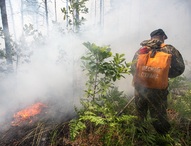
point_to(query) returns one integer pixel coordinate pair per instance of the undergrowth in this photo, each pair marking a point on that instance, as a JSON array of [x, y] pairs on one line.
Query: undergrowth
[[98, 122], [99, 117]]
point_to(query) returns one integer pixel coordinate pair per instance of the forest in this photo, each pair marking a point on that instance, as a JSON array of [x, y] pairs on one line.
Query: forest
[[66, 78]]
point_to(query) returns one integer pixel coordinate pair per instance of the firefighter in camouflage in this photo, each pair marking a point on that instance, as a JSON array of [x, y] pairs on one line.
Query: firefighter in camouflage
[[155, 100]]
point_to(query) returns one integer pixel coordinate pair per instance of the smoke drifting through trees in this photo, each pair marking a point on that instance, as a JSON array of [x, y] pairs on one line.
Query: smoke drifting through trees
[[125, 25]]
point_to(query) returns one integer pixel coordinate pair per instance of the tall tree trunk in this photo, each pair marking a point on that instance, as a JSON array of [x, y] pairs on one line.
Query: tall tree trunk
[[13, 21], [6, 33], [77, 14], [55, 9], [22, 20], [95, 6], [46, 11], [67, 14], [101, 13]]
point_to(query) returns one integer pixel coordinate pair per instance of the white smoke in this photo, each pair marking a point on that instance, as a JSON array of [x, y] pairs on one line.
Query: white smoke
[[129, 22], [126, 23]]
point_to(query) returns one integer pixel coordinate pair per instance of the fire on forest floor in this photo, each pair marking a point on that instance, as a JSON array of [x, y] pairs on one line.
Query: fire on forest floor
[[28, 114], [33, 124]]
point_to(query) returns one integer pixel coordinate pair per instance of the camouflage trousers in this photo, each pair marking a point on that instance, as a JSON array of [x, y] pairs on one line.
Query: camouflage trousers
[[154, 101]]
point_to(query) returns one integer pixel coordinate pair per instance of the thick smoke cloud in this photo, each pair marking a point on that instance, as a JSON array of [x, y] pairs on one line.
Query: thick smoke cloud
[[126, 23], [53, 77]]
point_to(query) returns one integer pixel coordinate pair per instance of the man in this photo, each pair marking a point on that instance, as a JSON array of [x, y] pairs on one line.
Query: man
[[152, 99]]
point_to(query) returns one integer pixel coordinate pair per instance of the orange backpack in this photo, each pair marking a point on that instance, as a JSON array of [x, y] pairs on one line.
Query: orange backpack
[[152, 70]]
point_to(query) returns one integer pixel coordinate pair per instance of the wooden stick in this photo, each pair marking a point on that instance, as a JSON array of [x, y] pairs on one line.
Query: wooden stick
[[119, 113]]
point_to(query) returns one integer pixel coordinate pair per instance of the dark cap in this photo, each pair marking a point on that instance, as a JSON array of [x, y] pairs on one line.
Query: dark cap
[[158, 32]]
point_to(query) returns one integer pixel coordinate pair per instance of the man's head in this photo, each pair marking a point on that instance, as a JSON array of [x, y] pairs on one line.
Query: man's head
[[159, 34]]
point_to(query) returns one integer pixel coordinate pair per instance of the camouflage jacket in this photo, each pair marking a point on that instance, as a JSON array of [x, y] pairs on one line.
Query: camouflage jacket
[[177, 63]]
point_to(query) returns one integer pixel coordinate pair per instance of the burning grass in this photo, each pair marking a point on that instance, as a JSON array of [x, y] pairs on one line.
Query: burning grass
[[38, 125], [28, 114], [45, 131], [35, 125]]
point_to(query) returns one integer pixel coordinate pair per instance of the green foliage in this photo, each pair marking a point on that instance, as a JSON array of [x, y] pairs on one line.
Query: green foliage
[[72, 13], [75, 127], [101, 120], [4, 67], [103, 100], [180, 102], [29, 30], [143, 135], [181, 98], [22, 49], [102, 70], [99, 115], [176, 83], [2, 54], [183, 105], [1, 32]]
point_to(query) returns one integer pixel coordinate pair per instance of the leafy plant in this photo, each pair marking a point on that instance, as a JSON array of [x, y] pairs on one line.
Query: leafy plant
[[73, 11], [180, 103], [181, 96], [102, 70], [102, 99]]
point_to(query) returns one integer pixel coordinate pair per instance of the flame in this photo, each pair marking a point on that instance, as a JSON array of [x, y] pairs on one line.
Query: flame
[[27, 113]]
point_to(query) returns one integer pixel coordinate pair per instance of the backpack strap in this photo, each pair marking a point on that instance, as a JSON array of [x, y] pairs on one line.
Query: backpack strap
[[155, 50]]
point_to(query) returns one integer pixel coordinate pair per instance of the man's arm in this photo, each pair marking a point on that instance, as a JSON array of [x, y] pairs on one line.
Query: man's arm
[[134, 63], [177, 62]]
